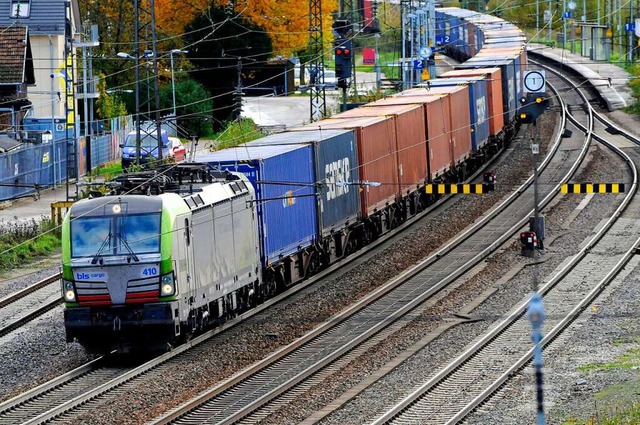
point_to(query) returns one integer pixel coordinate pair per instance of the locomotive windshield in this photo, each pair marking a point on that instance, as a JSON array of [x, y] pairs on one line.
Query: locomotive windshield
[[115, 235]]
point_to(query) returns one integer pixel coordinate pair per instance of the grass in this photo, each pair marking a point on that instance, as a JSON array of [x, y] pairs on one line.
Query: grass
[[236, 133], [25, 241], [627, 361], [106, 171], [615, 404]]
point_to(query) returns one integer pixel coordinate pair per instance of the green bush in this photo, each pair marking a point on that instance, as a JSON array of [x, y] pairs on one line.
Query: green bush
[[23, 241]]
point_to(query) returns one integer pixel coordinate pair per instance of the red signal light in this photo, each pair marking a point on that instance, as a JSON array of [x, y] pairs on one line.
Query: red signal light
[[346, 51], [338, 51]]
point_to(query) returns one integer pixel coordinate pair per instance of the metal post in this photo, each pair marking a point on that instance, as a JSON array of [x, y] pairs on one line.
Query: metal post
[[535, 150], [173, 84], [537, 18], [87, 139], [549, 24], [137, 77], [412, 24], [403, 19], [53, 112], [564, 25], [535, 313], [377, 37]]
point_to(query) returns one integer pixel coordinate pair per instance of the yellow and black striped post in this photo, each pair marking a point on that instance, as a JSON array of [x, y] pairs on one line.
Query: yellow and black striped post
[[592, 188], [457, 188]]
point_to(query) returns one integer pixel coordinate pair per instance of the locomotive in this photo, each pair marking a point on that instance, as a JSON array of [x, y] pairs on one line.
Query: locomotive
[[148, 270], [176, 249]]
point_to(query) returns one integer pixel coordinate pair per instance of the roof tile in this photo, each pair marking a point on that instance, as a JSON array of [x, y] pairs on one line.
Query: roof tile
[[13, 52]]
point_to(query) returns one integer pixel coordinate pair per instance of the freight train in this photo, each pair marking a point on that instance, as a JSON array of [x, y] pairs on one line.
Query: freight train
[[176, 249]]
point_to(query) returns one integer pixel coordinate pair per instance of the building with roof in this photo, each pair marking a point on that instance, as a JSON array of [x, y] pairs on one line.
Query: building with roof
[[50, 24], [16, 73]]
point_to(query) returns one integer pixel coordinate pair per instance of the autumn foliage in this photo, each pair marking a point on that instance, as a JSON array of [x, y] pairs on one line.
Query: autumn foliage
[[285, 21]]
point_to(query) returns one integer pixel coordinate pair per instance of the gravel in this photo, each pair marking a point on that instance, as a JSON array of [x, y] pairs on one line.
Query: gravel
[[43, 353]]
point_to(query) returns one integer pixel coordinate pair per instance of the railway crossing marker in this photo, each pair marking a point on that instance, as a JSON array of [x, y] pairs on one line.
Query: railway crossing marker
[[592, 188], [458, 188]]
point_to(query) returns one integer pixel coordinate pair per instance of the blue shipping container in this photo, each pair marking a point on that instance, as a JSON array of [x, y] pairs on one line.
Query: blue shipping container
[[335, 160], [283, 177], [510, 86], [478, 105]]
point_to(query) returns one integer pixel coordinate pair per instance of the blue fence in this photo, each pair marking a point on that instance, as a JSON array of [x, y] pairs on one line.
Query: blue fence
[[45, 164]]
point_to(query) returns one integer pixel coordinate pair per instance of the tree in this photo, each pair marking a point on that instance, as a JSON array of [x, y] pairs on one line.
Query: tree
[[193, 104], [108, 105], [217, 45]]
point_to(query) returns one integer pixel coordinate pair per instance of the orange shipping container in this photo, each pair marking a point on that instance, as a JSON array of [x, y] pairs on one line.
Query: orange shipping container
[[436, 110], [377, 158], [411, 140], [459, 115], [494, 90]]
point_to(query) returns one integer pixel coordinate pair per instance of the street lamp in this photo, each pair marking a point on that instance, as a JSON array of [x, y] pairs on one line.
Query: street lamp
[[173, 82], [112, 91], [145, 55]]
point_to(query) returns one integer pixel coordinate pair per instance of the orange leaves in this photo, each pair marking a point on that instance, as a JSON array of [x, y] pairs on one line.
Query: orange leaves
[[173, 16], [285, 21]]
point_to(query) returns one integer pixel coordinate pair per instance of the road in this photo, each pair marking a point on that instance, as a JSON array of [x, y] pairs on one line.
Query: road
[[289, 111]]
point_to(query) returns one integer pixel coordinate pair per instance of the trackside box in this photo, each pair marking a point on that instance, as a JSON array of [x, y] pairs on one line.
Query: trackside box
[[286, 203], [335, 158], [377, 158], [478, 105]]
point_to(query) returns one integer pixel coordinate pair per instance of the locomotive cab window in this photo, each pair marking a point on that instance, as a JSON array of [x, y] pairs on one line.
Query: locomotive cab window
[[115, 235]]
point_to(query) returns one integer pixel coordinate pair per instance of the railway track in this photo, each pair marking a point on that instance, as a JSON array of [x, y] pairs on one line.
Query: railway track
[[105, 387], [255, 389], [25, 305], [475, 375], [73, 389], [76, 394]]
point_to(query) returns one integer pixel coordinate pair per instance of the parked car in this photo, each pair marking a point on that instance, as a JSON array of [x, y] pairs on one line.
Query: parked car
[[178, 152], [330, 79], [301, 81], [148, 147]]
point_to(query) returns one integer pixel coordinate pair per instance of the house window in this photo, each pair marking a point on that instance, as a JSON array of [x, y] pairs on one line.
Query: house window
[[20, 8]]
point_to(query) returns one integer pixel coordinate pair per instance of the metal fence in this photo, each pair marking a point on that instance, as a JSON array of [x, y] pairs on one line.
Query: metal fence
[[45, 164]]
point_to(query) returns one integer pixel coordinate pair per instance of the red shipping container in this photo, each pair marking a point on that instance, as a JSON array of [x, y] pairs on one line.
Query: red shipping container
[[494, 90], [436, 111], [410, 129], [459, 115], [471, 29], [377, 158]]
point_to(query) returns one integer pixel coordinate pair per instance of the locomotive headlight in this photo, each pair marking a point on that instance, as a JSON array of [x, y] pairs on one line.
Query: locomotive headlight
[[167, 285], [68, 291]]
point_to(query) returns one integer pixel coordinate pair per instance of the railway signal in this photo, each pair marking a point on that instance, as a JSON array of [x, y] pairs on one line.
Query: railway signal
[[532, 106], [343, 54], [489, 179]]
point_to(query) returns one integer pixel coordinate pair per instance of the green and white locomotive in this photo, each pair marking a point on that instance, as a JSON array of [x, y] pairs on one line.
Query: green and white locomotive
[[143, 271]]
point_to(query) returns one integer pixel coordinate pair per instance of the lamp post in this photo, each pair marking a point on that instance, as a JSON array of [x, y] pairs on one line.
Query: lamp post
[[377, 37], [145, 55], [173, 82]]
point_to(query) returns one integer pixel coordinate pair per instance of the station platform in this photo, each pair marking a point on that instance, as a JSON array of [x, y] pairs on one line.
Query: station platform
[[611, 81]]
